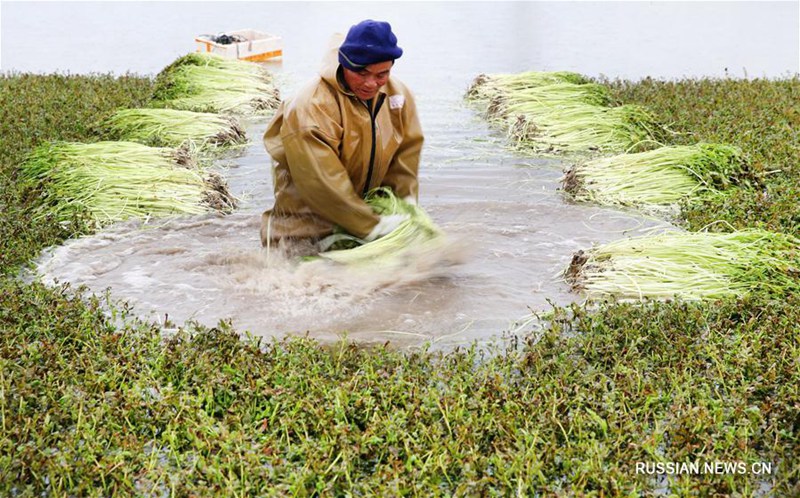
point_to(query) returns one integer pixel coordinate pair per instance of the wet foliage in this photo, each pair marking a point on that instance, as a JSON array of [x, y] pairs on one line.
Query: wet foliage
[[95, 403]]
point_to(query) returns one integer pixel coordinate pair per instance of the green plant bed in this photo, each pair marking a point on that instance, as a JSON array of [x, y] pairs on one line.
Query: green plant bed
[[93, 407]]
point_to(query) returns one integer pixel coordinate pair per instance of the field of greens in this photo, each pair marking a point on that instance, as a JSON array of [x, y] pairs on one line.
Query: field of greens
[[96, 403]]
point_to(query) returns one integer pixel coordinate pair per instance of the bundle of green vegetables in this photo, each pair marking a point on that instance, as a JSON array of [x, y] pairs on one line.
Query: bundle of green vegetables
[[657, 181], [175, 128], [486, 87], [209, 83], [418, 232], [689, 266], [556, 112], [218, 62], [583, 128], [112, 181], [545, 98]]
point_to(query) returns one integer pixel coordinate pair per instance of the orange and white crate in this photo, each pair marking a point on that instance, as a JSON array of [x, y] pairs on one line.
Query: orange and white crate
[[257, 47]]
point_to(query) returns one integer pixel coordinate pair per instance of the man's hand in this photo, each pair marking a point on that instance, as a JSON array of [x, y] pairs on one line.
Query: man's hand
[[386, 225]]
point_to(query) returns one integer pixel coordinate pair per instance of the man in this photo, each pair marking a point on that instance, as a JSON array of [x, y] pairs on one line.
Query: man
[[353, 129]]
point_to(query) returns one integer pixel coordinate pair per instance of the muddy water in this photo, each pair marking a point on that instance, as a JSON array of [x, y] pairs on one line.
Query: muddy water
[[511, 230]]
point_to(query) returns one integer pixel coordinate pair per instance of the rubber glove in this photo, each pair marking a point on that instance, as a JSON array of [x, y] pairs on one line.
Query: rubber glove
[[386, 225]]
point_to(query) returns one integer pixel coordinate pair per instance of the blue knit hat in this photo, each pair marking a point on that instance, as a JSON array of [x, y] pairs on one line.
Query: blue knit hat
[[369, 42]]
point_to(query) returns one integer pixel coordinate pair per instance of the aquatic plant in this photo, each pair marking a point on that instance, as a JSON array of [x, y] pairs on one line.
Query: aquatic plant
[[689, 266], [545, 98], [205, 59], [485, 87], [563, 112], [111, 181], [208, 83], [174, 128], [657, 181], [414, 234], [585, 128]]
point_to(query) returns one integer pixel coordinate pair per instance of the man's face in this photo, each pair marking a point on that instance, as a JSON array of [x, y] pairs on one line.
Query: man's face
[[366, 82]]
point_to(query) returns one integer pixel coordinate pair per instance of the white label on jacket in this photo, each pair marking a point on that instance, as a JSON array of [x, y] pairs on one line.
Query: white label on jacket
[[396, 101]]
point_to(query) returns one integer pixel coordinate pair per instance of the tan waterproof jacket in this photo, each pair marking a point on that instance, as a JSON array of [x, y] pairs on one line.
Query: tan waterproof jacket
[[329, 148]]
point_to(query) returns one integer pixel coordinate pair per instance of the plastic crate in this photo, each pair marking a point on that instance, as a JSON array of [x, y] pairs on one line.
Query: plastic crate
[[258, 46]]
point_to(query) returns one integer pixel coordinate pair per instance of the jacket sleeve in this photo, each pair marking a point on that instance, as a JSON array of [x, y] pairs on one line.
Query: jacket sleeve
[[401, 175], [322, 180]]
